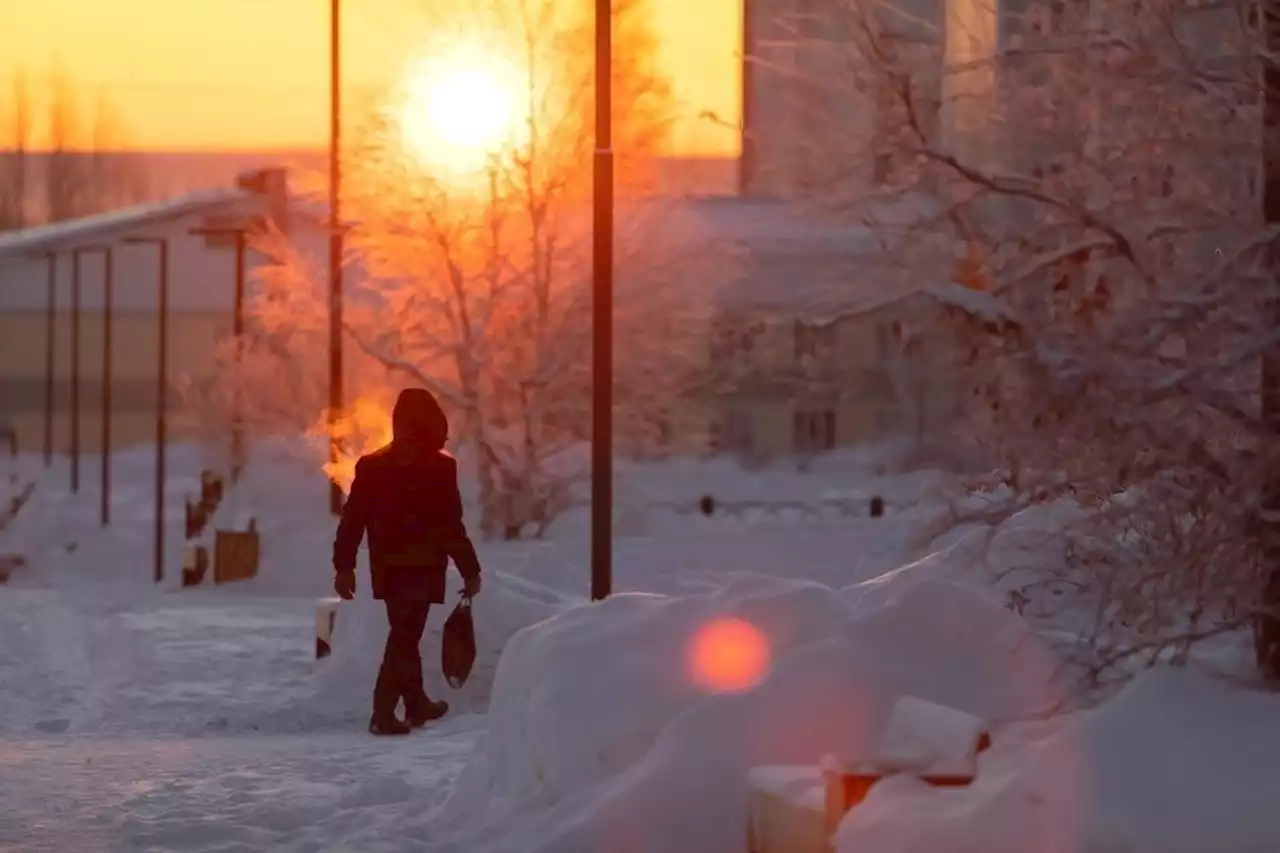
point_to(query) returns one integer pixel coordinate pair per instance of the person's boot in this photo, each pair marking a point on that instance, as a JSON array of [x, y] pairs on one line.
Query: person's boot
[[387, 724], [425, 710]]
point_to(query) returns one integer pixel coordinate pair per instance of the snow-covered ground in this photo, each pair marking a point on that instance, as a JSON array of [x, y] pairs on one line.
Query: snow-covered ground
[[136, 716]]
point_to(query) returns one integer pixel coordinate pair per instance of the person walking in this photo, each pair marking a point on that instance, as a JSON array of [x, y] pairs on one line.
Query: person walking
[[405, 497]]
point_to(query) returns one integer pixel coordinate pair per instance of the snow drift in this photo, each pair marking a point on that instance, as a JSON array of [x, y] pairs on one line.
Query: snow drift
[[600, 734], [1177, 763]]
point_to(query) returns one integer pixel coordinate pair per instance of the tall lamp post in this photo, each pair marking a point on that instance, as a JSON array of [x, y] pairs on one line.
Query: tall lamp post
[[1267, 624], [162, 393], [602, 312], [335, 243]]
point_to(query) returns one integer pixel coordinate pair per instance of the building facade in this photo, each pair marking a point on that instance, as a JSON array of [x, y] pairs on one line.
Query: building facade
[[39, 271]]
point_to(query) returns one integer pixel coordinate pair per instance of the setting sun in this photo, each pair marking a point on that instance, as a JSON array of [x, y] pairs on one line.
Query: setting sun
[[461, 109]]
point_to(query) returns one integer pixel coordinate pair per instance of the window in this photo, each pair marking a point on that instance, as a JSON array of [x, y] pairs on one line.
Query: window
[[813, 431], [813, 339], [732, 340]]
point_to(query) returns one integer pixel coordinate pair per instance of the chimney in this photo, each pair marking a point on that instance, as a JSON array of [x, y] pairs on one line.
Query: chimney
[[271, 183]]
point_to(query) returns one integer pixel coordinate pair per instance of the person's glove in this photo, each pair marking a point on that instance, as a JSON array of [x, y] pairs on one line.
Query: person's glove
[[471, 586], [344, 584]]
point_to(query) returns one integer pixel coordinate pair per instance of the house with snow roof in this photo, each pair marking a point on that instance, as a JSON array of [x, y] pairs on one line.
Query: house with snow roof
[[39, 271]]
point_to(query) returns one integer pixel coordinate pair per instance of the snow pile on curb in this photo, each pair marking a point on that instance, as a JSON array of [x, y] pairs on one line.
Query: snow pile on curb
[[1177, 763], [600, 732]]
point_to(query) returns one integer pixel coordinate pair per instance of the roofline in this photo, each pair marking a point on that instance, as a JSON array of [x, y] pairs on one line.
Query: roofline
[[68, 234]]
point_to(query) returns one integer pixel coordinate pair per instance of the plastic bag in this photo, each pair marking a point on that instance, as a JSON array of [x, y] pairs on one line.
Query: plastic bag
[[458, 649]]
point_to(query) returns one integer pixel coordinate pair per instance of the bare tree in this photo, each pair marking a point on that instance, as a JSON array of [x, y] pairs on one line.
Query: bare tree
[[476, 283], [14, 155], [1087, 181], [85, 170], [65, 173]]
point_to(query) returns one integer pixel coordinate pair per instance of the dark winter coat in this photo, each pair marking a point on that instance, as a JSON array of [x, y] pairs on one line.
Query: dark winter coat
[[405, 496]]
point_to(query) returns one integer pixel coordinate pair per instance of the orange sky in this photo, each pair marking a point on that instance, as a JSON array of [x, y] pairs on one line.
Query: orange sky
[[253, 73]]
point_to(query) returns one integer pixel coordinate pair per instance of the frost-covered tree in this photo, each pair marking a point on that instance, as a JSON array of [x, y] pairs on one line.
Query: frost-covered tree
[[1081, 180], [473, 279]]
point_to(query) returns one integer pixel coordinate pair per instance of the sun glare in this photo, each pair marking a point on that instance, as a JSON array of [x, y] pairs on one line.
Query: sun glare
[[460, 110]]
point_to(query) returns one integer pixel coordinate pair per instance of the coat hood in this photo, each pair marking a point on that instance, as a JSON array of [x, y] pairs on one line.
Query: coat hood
[[418, 421]]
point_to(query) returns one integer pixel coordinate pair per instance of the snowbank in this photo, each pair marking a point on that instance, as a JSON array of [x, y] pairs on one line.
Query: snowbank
[[601, 729], [61, 532], [1177, 763], [660, 545]]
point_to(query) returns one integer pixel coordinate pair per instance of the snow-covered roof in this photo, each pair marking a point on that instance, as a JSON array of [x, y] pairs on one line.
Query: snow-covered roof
[[62, 236], [780, 255], [800, 260]]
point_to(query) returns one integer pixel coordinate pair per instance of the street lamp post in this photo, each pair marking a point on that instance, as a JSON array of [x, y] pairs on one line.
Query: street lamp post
[[162, 394], [602, 312], [335, 243], [1267, 623]]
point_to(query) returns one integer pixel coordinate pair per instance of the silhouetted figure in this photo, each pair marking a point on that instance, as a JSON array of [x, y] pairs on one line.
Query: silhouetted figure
[[877, 506], [707, 505], [405, 496]]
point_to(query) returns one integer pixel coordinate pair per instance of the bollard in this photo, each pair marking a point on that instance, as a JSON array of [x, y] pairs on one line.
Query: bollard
[[211, 490], [195, 564]]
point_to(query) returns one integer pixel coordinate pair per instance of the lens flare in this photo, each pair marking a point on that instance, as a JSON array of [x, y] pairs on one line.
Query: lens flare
[[729, 655]]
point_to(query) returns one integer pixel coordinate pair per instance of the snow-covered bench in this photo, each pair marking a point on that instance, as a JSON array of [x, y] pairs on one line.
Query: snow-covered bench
[[797, 809]]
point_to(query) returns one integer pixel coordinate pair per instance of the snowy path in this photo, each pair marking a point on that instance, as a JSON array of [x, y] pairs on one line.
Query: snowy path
[[223, 793], [142, 720], [149, 663]]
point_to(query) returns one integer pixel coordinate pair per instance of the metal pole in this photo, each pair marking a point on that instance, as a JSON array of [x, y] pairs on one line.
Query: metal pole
[[237, 329], [335, 243], [50, 349], [747, 70], [162, 395], [602, 313], [75, 371], [108, 287], [1267, 626], [162, 407]]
